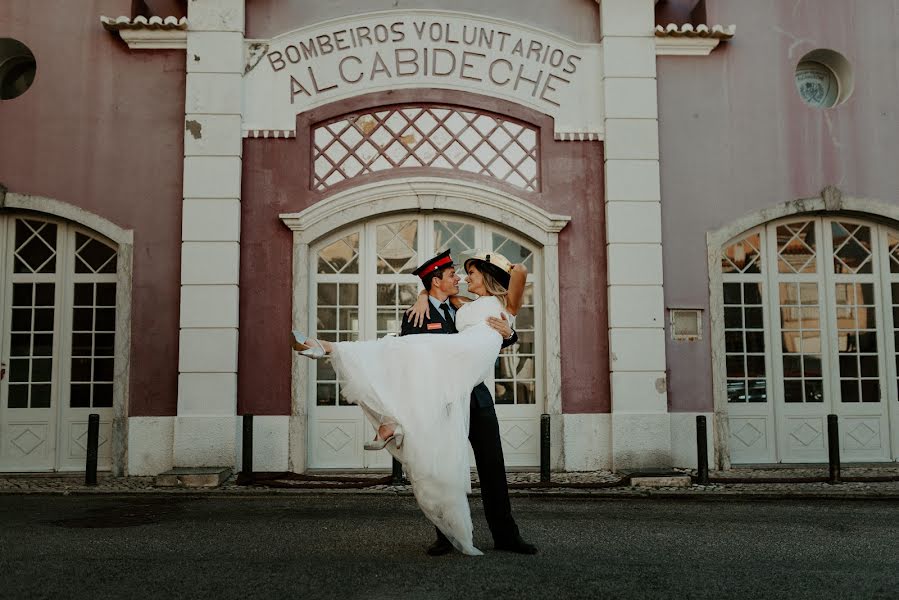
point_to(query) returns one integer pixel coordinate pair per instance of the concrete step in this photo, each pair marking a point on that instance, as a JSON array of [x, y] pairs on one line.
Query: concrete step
[[663, 481], [194, 477]]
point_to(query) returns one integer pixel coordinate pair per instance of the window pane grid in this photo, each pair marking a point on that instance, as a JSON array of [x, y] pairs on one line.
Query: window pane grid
[[337, 309], [800, 327], [93, 344], [857, 342], [515, 371], [894, 291], [744, 336], [393, 299], [31, 345]]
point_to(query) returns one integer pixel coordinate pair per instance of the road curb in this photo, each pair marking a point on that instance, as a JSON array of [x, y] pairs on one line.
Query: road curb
[[628, 494]]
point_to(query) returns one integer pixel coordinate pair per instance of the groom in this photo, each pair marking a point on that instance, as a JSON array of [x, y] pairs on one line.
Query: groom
[[438, 275]]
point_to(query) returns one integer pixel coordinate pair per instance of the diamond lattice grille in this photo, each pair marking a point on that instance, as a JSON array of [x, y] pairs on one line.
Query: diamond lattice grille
[[429, 136], [852, 251], [35, 247], [796, 247], [894, 253]]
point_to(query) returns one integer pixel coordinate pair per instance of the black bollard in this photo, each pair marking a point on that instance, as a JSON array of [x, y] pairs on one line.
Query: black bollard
[[93, 440], [702, 451], [544, 447], [833, 448], [247, 466]]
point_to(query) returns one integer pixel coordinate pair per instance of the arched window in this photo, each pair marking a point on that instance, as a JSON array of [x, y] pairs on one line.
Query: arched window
[[58, 311], [362, 283], [810, 328]]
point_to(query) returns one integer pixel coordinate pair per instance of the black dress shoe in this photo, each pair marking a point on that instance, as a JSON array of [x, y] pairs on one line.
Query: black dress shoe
[[516, 545], [440, 547]]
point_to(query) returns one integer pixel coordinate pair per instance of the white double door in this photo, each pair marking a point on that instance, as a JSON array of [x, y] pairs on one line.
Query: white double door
[[827, 296], [57, 328], [360, 285]]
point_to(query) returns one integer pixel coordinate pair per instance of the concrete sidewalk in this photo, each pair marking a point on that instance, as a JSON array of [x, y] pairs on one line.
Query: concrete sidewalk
[[780, 482]]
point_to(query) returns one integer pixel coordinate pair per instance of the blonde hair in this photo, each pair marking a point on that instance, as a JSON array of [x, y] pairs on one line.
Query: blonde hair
[[491, 284]]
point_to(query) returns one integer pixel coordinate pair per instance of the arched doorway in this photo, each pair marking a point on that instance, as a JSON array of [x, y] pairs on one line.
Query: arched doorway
[[446, 213], [360, 284], [809, 323], [58, 330]]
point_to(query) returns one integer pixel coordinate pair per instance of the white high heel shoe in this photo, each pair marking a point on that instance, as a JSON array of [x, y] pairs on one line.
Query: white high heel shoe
[[376, 444], [301, 344]]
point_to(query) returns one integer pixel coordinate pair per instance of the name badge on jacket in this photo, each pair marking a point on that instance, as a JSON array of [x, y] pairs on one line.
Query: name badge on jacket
[[433, 326]]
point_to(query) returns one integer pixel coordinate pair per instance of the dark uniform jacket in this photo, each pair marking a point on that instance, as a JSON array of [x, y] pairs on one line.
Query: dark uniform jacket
[[435, 323]]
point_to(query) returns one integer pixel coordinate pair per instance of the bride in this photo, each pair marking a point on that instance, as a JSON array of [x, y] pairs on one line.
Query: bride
[[415, 389]]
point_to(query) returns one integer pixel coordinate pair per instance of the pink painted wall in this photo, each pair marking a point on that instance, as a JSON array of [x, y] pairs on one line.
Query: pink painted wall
[[101, 128], [276, 179], [735, 137]]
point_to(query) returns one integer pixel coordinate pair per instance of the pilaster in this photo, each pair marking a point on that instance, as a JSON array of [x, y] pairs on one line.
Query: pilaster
[[205, 430], [641, 434]]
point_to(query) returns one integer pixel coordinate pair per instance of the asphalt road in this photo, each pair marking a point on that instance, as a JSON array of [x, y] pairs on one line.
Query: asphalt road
[[358, 546]]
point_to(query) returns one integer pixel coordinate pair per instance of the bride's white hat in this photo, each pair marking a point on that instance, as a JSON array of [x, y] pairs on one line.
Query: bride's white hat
[[496, 264]]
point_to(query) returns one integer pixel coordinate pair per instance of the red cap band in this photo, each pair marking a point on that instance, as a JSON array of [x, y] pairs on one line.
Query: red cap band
[[443, 261]]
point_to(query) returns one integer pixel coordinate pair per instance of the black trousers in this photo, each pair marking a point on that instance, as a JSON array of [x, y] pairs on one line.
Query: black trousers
[[483, 434]]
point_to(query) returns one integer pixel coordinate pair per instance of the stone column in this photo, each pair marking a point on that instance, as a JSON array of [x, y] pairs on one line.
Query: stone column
[[641, 434], [206, 426]]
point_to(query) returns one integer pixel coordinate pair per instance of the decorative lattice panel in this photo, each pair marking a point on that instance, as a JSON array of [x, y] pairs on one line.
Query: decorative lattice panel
[[425, 136]]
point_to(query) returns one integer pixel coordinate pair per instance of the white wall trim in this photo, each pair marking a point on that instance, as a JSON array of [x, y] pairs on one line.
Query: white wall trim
[[831, 200], [69, 212], [424, 194], [667, 46], [124, 241], [421, 195]]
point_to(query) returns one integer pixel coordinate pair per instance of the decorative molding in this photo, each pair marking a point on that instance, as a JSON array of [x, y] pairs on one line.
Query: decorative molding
[[425, 194], [689, 41], [154, 33], [69, 212], [576, 136], [270, 133]]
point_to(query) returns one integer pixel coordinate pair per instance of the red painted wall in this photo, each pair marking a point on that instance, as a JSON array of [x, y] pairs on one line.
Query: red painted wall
[[102, 128], [276, 179]]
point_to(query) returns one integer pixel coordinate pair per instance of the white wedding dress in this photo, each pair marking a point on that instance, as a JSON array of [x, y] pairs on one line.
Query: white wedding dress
[[423, 383]]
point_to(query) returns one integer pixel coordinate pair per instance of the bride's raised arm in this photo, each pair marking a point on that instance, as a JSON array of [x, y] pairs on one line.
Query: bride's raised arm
[[518, 277]]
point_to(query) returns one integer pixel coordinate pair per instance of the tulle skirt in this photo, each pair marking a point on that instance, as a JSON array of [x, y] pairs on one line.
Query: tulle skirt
[[423, 384]]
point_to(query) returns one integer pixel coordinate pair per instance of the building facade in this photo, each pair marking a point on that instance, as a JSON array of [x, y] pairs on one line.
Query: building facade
[[709, 220]]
